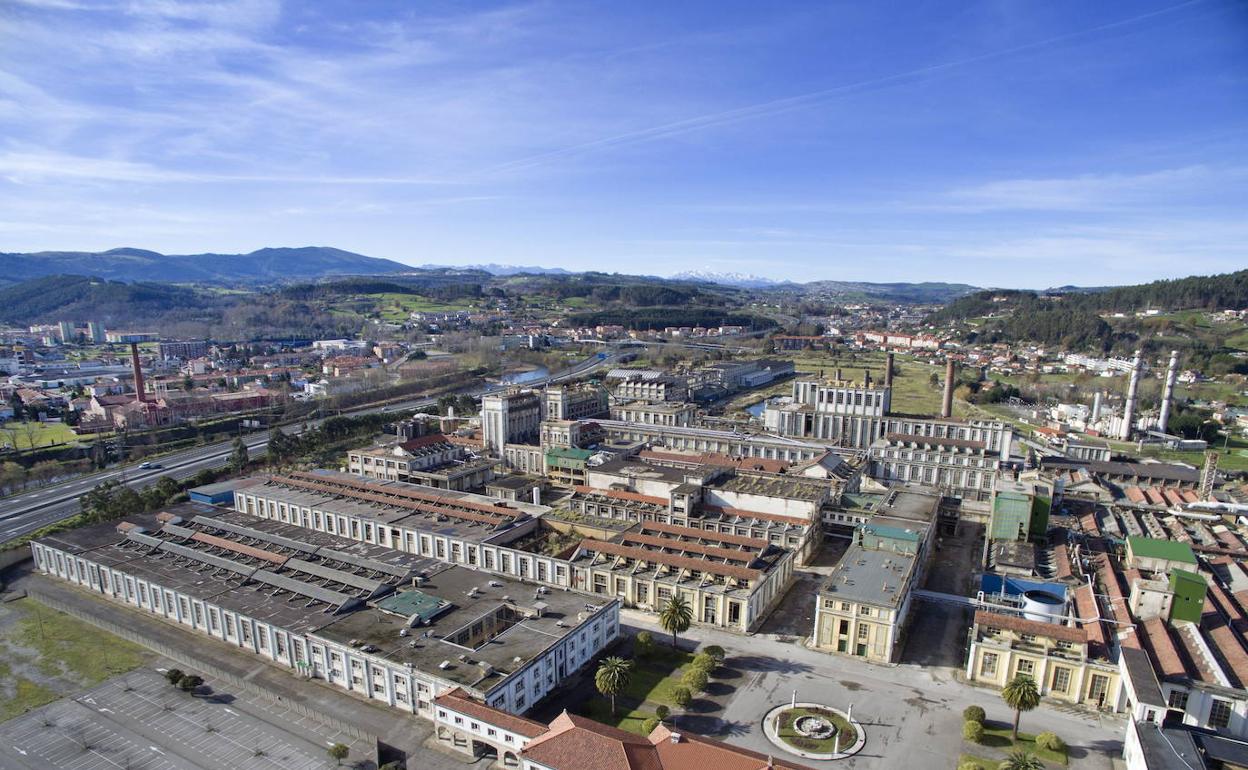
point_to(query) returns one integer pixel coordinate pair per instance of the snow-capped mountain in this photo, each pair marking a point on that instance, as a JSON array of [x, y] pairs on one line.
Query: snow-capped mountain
[[743, 280]]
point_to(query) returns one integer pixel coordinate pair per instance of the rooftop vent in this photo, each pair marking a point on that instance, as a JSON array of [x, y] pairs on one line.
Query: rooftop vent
[[675, 738], [444, 665]]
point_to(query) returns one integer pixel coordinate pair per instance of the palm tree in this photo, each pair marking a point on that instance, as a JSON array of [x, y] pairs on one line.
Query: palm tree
[[1021, 695], [1020, 760], [612, 677], [676, 616]]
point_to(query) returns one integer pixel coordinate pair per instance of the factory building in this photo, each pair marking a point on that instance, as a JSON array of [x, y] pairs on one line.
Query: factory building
[[391, 627]]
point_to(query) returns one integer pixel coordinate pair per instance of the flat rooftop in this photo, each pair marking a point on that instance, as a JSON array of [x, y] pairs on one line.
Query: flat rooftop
[[489, 619], [442, 513], [871, 577], [287, 579], [905, 503]]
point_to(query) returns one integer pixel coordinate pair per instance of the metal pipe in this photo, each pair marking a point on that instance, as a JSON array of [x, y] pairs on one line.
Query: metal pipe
[[946, 403], [1167, 397]]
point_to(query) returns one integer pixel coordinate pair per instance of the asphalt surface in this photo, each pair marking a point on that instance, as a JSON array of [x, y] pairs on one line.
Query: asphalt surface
[[29, 511]]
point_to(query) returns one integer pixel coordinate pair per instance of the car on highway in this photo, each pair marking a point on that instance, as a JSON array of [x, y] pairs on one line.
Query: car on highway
[[149, 466]]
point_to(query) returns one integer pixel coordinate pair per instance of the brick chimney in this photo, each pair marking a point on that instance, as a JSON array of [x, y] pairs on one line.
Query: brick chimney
[[140, 394]]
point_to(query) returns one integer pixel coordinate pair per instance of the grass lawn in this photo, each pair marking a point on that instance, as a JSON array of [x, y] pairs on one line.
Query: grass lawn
[[845, 735], [651, 684], [26, 434], [998, 736], [45, 655], [984, 762]]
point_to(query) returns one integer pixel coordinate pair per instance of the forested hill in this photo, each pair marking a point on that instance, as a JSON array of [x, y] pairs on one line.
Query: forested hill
[[263, 265], [76, 296], [1212, 292]]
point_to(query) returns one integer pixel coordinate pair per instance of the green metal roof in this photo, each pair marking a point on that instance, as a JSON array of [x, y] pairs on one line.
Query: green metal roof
[[1170, 550], [408, 603]]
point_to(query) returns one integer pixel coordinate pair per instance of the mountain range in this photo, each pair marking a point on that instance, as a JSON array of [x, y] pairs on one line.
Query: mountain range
[[261, 266]]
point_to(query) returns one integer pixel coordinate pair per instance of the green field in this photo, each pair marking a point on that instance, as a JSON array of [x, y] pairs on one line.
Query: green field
[[913, 392], [25, 434], [46, 655], [397, 307]]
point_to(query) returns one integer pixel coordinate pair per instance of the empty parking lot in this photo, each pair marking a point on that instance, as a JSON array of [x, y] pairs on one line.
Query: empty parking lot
[[140, 721]]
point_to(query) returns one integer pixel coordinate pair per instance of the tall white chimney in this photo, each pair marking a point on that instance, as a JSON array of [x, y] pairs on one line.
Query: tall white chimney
[[1128, 412], [1167, 396], [1096, 406]]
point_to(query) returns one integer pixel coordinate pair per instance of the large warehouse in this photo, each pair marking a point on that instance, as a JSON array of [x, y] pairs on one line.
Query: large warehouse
[[384, 624]]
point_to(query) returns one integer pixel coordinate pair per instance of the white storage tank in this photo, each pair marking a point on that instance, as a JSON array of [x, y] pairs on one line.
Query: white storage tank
[[1043, 606]]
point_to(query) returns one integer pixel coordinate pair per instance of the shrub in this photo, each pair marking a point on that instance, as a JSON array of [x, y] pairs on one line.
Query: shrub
[[189, 682], [703, 662], [648, 726], [643, 645], [971, 765], [1050, 742], [716, 652], [973, 731], [695, 679], [173, 676], [974, 714], [681, 696], [662, 712]]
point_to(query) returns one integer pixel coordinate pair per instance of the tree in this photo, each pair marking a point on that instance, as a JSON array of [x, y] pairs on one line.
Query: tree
[[1020, 694], [239, 456], [1020, 760], [695, 679], [676, 616], [174, 675], [973, 731], [662, 712], [681, 696], [339, 752], [612, 677], [974, 714], [648, 726], [643, 645]]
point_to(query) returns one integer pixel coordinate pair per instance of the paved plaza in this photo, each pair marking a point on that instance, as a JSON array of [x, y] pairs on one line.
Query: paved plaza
[[912, 716]]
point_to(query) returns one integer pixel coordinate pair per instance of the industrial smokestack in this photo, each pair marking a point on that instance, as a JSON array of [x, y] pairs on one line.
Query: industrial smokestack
[[946, 403], [138, 373], [888, 370], [1096, 406], [839, 378], [1167, 397], [866, 378], [1128, 412]]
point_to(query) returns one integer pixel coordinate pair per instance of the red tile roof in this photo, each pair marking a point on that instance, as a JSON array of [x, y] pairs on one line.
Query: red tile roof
[[1024, 626], [703, 534], [576, 743], [457, 700], [670, 560]]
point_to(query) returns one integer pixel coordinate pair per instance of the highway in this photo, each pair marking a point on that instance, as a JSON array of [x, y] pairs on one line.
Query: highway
[[30, 511]]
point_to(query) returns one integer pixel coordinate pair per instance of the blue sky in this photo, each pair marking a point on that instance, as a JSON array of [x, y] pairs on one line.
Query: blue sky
[[996, 143]]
